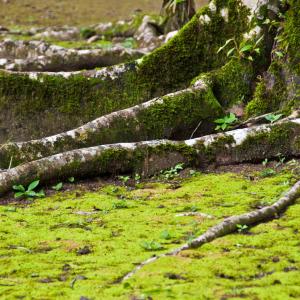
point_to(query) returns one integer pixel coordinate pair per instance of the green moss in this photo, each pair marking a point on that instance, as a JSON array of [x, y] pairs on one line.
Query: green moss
[[271, 92], [43, 255], [231, 83], [194, 49], [278, 139]]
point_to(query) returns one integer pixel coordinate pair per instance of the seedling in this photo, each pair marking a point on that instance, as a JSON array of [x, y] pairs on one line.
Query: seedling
[[21, 191], [58, 186], [267, 172], [226, 122], [272, 118], [165, 235], [124, 179], [173, 172], [265, 162], [71, 179], [241, 228], [137, 178], [246, 50], [151, 246]]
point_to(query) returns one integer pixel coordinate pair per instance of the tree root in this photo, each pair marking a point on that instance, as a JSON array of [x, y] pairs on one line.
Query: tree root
[[147, 158], [158, 118], [41, 56], [229, 225]]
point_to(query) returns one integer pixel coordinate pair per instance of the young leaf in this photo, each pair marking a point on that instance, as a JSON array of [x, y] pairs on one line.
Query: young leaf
[[224, 46], [19, 195], [230, 51], [58, 187], [19, 188], [30, 194], [246, 48], [71, 179], [33, 185]]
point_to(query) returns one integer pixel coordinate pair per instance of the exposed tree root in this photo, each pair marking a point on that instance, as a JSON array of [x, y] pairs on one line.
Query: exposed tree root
[[41, 56], [249, 144], [229, 225], [163, 117]]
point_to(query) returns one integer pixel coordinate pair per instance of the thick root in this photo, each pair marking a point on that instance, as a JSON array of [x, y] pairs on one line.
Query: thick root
[[249, 144], [174, 115]]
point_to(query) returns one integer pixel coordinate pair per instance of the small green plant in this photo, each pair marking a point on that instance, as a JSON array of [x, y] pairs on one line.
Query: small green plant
[[120, 205], [21, 191], [151, 246], [241, 228], [165, 235], [265, 162], [173, 172], [226, 122], [124, 179], [245, 50], [267, 173], [137, 178], [58, 186], [71, 179], [272, 118]]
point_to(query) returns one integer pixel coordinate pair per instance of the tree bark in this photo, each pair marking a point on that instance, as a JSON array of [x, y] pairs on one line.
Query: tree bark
[[147, 158]]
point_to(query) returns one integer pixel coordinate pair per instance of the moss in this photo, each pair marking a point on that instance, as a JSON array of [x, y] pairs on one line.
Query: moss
[[191, 51], [279, 90], [231, 84], [78, 99], [278, 139], [271, 92], [43, 255]]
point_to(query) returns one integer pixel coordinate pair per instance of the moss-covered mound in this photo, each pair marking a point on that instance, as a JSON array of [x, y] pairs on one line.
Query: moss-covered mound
[[78, 244]]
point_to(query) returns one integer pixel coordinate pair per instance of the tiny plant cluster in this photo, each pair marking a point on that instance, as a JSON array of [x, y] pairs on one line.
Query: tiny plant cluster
[[245, 50], [29, 192], [226, 122]]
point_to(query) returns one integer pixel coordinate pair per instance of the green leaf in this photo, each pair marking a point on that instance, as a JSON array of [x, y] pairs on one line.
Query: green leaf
[[71, 179], [165, 235], [246, 48], [224, 46], [40, 194], [30, 194], [33, 185], [19, 195], [230, 51], [279, 53], [219, 121], [19, 188], [58, 186], [224, 126]]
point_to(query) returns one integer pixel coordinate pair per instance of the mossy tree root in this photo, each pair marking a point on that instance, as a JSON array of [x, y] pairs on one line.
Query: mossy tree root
[[229, 225], [172, 116], [146, 158]]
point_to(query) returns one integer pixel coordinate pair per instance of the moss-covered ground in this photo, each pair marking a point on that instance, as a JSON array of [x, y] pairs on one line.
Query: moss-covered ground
[[78, 244]]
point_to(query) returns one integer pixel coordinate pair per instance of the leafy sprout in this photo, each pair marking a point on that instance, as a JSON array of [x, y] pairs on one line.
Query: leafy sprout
[[226, 122], [28, 192]]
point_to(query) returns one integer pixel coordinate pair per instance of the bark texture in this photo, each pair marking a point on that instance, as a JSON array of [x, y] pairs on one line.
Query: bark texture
[[146, 158]]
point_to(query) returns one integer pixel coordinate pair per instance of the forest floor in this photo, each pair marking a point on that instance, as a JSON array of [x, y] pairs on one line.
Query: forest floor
[[79, 241]]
